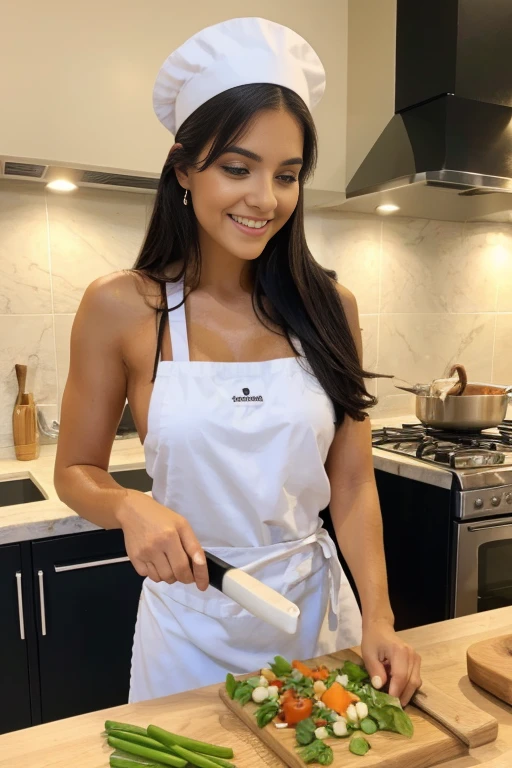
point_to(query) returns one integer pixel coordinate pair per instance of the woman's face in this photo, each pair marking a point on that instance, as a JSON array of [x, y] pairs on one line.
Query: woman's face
[[250, 191]]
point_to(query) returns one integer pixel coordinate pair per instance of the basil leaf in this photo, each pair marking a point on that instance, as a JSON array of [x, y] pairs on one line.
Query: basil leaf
[[317, 752], [266, 713], [403, 723], [305, 731], [355, 672], [382, 699], [243, 694], [231, 685], [253, 682], [392, 719], [281, 667]]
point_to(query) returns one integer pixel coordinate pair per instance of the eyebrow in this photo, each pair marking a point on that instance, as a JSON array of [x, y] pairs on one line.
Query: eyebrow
[[253, 156]]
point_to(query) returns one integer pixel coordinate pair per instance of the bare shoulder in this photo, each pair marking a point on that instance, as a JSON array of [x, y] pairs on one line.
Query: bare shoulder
[[349, 304], [119, 290]]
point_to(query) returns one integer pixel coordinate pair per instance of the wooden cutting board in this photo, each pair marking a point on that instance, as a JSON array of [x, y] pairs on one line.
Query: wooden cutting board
[[431, 742], [490, 666]]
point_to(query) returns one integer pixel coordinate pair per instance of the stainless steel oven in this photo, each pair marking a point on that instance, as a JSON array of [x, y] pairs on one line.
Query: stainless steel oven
[[483, 565]]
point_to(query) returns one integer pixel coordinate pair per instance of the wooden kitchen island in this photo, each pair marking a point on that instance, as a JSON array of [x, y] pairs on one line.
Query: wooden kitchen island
[[76, 742]]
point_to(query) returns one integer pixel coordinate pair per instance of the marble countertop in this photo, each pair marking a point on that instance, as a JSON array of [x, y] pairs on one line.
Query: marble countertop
[[51, 517]]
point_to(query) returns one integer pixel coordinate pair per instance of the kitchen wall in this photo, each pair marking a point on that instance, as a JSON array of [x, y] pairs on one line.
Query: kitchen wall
[[430, 293]]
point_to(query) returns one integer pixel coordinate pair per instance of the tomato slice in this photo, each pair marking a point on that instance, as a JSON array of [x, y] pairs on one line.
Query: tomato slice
[[296, 710]]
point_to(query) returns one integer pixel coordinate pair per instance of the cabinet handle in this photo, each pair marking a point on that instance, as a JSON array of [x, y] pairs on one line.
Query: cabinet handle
[[41, 601], [94, 564], [20, 605]]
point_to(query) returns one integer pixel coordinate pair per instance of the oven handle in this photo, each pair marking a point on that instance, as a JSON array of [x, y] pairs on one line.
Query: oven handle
[[473, 528]]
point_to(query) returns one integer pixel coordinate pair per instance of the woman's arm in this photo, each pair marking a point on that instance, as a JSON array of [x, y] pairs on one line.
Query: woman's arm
[[159, 542], [357, 520]]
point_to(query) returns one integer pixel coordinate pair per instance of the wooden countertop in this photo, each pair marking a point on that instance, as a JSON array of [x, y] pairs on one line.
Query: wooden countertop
[[76, 742]]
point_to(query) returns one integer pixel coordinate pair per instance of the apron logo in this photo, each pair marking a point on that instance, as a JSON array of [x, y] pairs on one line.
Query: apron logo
[[247, 397]]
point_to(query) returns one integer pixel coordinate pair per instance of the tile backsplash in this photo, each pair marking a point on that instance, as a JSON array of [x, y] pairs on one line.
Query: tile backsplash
[[430, 293]]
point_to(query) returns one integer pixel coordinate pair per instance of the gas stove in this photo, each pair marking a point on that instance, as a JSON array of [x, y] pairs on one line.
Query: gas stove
[[477, 459], [464, 530]]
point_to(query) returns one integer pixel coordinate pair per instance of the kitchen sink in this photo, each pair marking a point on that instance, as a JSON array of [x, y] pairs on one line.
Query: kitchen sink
[[21, 491], [137, 479]]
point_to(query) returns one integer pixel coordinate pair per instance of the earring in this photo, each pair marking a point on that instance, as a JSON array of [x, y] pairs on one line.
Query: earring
[[185, 201]]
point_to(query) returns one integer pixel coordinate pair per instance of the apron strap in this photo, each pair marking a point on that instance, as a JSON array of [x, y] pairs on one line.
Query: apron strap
[[177, 322]]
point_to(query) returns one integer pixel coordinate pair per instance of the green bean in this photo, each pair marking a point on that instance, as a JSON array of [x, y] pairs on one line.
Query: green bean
[[112, 725], [172, 739], [125, 762], [150, 754], [201, 761], [144, 741], [222, 763]]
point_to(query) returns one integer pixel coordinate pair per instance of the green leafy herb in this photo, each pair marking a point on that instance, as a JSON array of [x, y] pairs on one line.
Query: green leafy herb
[[392, 719], [243, 693], [231, 685], [266, 712], [355, 672], [358, 745], [382, 699], [281, 667], [253, 682], [317, 752], [305, 731]]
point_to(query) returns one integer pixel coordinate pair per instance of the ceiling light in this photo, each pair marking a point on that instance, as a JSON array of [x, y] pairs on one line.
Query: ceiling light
[[61, 185], [387, 208]]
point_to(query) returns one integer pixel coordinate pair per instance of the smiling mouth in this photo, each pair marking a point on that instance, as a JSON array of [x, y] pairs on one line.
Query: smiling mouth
[[249, 223]]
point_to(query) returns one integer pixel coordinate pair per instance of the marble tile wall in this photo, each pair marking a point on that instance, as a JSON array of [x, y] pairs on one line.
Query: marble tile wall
[[429, 293]]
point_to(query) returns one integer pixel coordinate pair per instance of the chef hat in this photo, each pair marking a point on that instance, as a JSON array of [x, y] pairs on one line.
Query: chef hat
[[235, 52]]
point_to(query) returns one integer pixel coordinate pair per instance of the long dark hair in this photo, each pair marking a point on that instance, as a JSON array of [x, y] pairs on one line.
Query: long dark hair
[[290, 289]]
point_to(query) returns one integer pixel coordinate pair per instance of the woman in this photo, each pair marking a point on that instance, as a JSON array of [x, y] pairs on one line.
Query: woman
[[243, 311]]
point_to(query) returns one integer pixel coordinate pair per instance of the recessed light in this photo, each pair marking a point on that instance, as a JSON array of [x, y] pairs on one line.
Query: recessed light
[[387, 208], [61, 185]]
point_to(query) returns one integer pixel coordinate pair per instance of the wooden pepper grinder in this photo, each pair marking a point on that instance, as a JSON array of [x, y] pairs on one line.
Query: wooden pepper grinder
[[24, 421]]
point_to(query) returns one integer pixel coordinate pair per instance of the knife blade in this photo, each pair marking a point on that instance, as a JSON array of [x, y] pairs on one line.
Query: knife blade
[[257, 598]]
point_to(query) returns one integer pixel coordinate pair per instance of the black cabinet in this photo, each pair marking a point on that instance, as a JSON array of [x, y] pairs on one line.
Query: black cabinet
[[14, 677], [87, 595], [78, 597]]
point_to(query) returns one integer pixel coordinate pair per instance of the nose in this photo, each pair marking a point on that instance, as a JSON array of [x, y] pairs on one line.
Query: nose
[[262, 195]]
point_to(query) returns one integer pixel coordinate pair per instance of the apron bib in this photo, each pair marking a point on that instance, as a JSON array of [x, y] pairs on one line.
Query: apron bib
[[239, 449]]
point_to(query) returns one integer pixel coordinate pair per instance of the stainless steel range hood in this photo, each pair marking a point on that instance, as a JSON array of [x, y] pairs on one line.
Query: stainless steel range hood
[[447, 152]]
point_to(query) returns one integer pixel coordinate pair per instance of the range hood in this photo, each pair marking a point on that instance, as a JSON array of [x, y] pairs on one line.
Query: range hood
[[447, 152]]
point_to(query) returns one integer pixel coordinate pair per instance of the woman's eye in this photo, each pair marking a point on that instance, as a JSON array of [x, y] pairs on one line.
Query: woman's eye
[[235, 170]]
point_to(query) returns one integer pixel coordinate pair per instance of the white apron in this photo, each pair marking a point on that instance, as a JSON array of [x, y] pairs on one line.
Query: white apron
[[248, 475]]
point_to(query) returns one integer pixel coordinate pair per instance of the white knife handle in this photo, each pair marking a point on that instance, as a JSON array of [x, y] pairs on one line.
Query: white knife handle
[[260, 600]]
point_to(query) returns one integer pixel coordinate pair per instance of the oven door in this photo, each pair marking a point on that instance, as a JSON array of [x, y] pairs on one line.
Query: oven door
[[483, 566]]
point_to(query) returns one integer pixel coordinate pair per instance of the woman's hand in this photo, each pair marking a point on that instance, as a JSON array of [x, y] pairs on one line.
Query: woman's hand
[[160, 543], [386, 655]]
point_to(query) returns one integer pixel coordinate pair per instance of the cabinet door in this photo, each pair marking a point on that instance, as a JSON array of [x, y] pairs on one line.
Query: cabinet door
[[87, 596], [14, 679]]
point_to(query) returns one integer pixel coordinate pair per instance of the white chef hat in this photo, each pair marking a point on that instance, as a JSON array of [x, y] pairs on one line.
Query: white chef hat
[[235, 52]]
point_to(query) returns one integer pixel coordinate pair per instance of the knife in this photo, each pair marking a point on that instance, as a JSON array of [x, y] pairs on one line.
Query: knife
[[257, 598]]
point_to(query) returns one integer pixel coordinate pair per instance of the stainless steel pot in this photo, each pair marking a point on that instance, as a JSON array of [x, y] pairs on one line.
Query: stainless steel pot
[[463, 412]]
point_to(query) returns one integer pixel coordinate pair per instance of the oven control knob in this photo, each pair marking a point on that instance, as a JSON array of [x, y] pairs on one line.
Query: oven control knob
[[478, 503], [508, 498], [495, 501]]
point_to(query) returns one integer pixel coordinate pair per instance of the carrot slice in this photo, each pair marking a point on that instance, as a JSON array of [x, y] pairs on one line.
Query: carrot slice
[[338, 698], [303, 668]]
